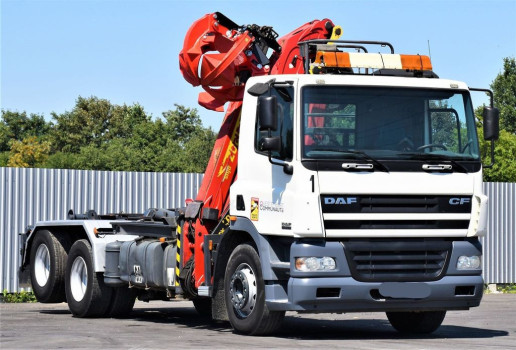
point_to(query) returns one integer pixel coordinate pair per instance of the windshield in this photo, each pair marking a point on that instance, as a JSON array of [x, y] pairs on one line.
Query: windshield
[[388, 123]]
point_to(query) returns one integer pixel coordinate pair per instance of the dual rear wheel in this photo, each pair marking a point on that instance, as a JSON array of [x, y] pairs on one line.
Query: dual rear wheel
[[48, 264], [86, 293], [60, 272]]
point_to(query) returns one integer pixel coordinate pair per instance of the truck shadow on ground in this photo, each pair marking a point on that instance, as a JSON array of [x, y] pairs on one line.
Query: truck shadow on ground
[[302, 327]]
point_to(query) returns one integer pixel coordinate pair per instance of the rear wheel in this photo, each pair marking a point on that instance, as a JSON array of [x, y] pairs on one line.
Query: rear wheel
[[423, 322], [47, 268], [245, 294], [122, 302], [86, 293]]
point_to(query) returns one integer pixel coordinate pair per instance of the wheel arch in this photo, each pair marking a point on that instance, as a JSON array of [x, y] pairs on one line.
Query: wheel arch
[[270, 249], [67, 235]]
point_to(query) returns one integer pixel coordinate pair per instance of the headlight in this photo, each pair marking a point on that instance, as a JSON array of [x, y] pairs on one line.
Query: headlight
[[313, 263], [468, 262]]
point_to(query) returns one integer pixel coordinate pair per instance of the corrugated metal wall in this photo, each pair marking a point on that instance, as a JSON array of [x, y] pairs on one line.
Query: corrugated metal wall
[[499, 261], [30, 195]]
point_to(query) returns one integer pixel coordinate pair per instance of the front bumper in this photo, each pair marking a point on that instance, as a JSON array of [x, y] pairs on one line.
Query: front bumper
[[308, 294], [342, 290]]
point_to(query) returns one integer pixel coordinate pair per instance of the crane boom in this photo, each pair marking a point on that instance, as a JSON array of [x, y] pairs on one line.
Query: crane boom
[[220, 56]]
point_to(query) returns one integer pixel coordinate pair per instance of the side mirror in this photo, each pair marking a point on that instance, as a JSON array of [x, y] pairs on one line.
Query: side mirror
[[259, 89], [272, 144], [491, 116], [268, 113]]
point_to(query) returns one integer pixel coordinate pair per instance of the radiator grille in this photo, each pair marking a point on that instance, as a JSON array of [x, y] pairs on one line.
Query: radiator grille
[[339, 203], [408, 260], [395, 212]]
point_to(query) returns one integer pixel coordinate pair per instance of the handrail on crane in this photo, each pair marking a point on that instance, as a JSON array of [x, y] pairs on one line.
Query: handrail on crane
[[305, 46]]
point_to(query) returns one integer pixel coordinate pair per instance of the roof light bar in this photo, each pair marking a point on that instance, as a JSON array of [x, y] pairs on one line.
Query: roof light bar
[[335, 59]]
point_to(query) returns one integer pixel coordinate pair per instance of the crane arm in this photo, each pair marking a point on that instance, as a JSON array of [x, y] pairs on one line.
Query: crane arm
[[220, 56]]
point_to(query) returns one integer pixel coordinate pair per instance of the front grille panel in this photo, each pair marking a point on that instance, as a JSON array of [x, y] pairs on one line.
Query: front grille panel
[[395, 212], [414, 260], [338, 203]]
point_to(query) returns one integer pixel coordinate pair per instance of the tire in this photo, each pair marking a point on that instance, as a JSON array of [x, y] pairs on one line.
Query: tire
[[245, 294], [86, 293], [47, 267], [202, 306], [416, 322], [122, 302]]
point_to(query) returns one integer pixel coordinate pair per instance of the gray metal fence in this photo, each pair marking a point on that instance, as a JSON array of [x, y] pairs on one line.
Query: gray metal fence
[[30, 195], [499, 260]]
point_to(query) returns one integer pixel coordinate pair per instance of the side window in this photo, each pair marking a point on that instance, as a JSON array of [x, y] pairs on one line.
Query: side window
[[284, 129], [448, 124]]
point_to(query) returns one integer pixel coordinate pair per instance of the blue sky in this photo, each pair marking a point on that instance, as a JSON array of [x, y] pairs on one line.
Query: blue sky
[[127, 51]]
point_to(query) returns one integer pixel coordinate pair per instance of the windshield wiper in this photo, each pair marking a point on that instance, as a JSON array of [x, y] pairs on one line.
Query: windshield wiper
[[361, 154], [437, 157]]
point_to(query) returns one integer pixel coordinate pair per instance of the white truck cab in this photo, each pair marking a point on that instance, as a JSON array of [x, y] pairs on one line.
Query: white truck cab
[[377, 183]]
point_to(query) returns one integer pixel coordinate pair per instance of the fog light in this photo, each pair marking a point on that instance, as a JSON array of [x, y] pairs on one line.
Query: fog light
[[468, 262], [313, 263]]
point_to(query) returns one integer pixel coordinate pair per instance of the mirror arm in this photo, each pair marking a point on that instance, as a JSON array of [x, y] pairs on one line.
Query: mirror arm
[[492, 157], [489, 92], [287, 168]]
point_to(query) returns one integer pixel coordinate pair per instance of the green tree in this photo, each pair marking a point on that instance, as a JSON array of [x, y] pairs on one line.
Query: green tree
[[18, 126], [197, 151], [182, 123], [99, 135], [28, 153], [94, 122], [504, 89], [61, 160], [504, 168], [4, 158]]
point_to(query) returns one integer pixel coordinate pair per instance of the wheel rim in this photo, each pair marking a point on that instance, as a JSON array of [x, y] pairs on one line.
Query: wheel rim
[[242, 289], [78, 278], [42, 265]]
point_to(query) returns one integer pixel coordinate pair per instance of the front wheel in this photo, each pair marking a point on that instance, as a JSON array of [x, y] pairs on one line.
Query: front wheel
[[86, 293], [202, 306], [423, 322], [245, 294]]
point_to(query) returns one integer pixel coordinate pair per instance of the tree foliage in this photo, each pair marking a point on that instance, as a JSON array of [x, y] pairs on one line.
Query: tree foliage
[[504, 93], [504, 89], [504, 168], [18, 126], [99, 135], [28, 152]]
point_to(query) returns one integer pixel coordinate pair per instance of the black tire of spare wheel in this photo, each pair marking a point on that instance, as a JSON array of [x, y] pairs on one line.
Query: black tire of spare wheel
[[202, 306], [53, 290], [122, 302], [97, 295], [261, 321], [423, 322]]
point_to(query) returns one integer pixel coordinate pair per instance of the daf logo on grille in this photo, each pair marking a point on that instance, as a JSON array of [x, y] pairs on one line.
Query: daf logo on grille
[[340, 200], [459, 201]]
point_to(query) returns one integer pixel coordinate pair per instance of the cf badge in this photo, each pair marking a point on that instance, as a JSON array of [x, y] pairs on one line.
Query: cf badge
[[255, 208]]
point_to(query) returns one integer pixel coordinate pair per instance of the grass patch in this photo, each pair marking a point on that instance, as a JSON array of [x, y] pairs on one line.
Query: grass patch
[[509, 288], [20, 297]]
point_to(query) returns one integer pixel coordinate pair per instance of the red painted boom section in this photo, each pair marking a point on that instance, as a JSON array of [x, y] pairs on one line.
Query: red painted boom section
[[220, 56]]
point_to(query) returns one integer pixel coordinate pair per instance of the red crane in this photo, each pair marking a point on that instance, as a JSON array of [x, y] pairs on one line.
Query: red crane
[[220, 56]]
